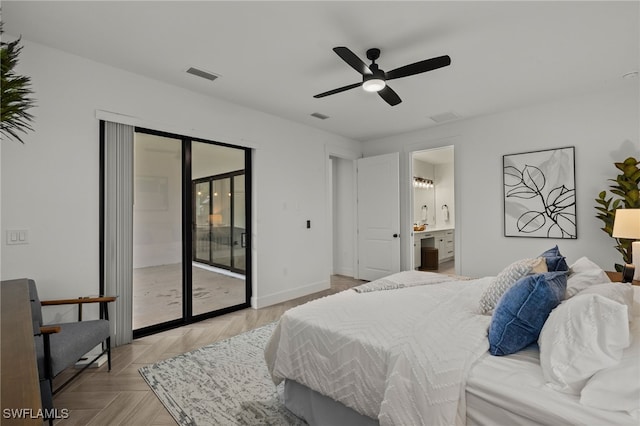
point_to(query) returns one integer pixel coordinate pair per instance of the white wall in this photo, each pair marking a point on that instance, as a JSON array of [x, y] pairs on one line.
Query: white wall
[[50, 184], [445, 195], [424, 196], [603, 127]]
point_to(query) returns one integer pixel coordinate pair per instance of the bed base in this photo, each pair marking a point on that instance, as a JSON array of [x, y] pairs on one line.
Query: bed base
[[319, 410]]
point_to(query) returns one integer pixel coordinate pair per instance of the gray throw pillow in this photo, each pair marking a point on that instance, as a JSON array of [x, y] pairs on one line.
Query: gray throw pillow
[[507, 278]]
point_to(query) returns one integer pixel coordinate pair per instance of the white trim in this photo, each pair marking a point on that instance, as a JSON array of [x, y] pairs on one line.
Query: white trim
[[131, 120], [356, 253], [341, 152], [330, 165], [457, 217], [115, 117]]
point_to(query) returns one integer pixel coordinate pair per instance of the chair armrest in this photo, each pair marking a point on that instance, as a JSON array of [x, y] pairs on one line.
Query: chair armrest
[[103, 300], [78, 301], [50, 329]]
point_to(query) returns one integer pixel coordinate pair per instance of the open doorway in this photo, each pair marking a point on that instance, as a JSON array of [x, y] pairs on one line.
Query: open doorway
[[342, 194], [433, 210]]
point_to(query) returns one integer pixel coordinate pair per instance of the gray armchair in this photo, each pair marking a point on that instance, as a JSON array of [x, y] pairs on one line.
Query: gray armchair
[[59, 346]]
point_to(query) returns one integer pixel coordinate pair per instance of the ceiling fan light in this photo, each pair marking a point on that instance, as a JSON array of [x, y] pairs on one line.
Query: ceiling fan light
[[374, 85]]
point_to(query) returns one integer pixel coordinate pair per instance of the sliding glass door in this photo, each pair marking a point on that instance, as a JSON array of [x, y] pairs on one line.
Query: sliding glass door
[[219, 213], [190, 231], [158, 291], [219, 217]]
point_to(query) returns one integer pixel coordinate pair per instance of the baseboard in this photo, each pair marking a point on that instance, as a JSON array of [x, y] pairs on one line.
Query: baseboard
[[283, 296]]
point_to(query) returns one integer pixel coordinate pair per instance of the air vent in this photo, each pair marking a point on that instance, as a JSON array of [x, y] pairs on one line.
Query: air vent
[[445, 116], [320, 116], [203, 74]]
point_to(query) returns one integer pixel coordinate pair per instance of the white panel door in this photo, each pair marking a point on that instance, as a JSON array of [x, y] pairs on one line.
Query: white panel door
[[378, 216]]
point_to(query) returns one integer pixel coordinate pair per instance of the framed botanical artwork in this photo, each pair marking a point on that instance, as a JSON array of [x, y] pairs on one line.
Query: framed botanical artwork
[[540, 194]]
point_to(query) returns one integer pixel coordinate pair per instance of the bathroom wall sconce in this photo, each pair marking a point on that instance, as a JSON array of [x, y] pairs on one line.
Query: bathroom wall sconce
[[419, 182]]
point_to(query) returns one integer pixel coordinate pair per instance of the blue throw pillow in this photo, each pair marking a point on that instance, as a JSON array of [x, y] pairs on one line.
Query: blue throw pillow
[[521, 312], [555, 261]]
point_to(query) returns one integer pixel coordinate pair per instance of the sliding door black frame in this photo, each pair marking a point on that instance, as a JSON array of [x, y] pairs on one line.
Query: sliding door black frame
[[187, 215], [232, 183]]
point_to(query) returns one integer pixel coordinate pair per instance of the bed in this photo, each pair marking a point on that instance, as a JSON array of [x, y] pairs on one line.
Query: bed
[[421, 348]]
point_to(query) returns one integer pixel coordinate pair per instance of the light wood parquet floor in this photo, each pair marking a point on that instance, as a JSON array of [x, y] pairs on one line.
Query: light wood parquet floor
[[122, 397]]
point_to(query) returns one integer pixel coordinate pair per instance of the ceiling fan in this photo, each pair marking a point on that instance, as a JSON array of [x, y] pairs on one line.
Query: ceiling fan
[[375, 80]]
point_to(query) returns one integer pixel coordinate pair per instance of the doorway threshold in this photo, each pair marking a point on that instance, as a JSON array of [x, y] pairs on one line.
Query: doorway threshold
[[218, 270]]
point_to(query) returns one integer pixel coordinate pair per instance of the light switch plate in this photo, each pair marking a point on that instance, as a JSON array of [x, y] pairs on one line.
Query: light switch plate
[[17, 236]]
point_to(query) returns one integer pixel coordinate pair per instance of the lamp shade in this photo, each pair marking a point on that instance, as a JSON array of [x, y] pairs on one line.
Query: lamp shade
[[627, 224]]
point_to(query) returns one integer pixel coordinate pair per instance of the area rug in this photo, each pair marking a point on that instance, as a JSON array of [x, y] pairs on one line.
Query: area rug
[[225, 383]]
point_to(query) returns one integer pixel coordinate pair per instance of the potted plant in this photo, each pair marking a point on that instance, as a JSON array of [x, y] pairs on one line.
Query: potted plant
[[15, 92], [626, 194]]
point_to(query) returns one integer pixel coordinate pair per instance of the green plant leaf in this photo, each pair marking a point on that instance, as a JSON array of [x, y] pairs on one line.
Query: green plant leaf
[[626, 194], [15, 97]]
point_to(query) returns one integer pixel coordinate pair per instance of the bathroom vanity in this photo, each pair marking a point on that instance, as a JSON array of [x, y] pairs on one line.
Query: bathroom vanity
[[434, 238]]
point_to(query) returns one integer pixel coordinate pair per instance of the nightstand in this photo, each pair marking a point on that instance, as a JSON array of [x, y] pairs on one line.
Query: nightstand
[[617, 277]]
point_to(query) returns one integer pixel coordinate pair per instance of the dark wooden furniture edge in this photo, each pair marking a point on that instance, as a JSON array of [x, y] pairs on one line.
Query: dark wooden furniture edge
[[102, 300], [617, 277], [78, 301], [20, 386]]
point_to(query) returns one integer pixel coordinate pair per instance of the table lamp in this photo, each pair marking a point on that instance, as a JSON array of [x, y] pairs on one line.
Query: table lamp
[[627, 225]]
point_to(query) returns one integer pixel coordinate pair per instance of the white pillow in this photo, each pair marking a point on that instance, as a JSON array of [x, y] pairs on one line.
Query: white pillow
[[582, 274], [618, 292], [617, 388], [582, 336], [507, 278]]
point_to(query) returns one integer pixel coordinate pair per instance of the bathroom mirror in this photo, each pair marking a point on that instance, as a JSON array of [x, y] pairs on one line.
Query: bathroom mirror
[[424, 190]]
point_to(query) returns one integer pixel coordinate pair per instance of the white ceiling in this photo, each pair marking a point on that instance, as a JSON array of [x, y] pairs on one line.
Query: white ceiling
[[274, 56]]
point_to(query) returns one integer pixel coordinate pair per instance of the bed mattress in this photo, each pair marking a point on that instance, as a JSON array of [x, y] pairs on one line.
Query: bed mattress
[[339, 359], [496, 390], [404, 365]]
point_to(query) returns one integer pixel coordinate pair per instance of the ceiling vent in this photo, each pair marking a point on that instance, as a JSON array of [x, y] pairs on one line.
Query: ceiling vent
[[445, 116], [320, 116], [201, 73]]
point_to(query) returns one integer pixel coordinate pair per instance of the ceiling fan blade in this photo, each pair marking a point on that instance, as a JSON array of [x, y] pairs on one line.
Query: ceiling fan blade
[[419, 67], [350, 58], [338, 90], [390, 96]]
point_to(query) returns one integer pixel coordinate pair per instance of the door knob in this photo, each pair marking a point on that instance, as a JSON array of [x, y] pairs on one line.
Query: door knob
[[395, 235]]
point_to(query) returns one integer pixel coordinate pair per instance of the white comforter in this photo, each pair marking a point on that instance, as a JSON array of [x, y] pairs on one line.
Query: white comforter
[[399, 355]]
